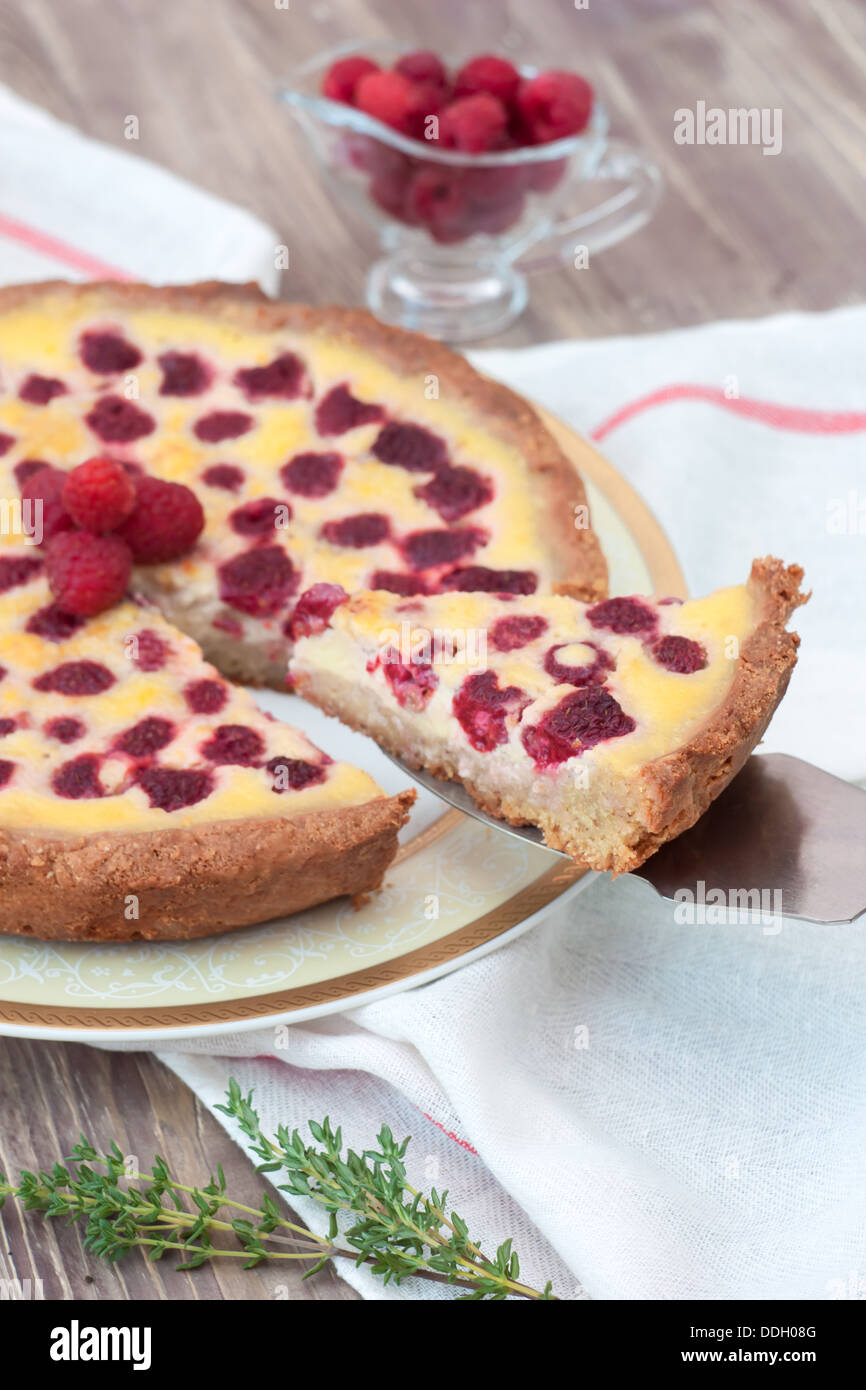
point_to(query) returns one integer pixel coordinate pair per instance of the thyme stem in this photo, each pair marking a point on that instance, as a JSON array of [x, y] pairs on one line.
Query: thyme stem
[[387, 1225]]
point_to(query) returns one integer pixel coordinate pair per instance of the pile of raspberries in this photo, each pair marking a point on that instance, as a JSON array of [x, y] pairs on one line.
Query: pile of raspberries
[[486, 107], [101, 518]]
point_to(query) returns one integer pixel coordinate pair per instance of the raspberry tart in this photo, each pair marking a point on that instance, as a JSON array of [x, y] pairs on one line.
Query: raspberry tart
[[611, 726], [322, 446], [141, 795], [236, 465]]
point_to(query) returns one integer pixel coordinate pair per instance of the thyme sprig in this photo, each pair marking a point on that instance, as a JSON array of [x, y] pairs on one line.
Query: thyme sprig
[[376, 1217]]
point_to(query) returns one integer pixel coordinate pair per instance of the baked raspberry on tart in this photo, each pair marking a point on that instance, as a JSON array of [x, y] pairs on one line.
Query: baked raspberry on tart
[[142, 795], [611, 726], [323, 447]]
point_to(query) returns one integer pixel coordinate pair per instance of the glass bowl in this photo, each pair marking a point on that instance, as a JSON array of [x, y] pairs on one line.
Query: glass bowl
[[460, 232]]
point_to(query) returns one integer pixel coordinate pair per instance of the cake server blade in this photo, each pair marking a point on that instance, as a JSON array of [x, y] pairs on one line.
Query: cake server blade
[[783, 837]]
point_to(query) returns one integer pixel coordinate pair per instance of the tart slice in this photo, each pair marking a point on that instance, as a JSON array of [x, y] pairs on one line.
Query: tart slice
[[323, 446], [610, 726], [143, 796]]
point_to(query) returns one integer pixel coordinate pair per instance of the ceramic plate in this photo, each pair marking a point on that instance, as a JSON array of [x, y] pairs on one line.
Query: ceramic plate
[[457, 890]]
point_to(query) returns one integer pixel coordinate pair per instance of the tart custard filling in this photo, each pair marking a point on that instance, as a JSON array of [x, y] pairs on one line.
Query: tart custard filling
[[121, 711], [314, 461], [544, 683]]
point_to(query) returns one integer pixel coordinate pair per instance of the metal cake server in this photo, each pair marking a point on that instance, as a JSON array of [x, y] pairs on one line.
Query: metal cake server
[[783, 828]]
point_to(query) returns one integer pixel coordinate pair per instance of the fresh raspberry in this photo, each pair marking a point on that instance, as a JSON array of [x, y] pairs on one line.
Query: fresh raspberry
[[473, 124], [107, 353], [342, 78], [167, 521], [115, 420], [389, 191], [495, 185], [99, 494], [391, 98], [480, 579], [39, 390], [454, 492], [294, 773], [75, 678], [46, 487], [680, 654], [6, 770], [314, 609], [546, 175], [488, 73], [435, 198], [53, 623], [430, 98], [422, 66], [340, 411], [17, 569], [554, 105], [622, 615], [496, 218], [516, 630], [376, 157], [86, 573], [366, 528]]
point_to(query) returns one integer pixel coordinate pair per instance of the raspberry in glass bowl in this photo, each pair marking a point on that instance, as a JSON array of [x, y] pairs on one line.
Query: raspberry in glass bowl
[[474, 172]]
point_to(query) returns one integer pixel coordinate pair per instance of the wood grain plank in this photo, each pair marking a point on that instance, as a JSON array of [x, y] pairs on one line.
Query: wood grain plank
[[52, 1092]]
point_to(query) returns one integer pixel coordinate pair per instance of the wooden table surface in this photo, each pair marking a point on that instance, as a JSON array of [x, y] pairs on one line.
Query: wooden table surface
[[737, 234]]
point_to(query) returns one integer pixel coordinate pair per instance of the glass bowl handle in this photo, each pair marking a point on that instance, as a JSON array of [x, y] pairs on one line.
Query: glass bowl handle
[[612, 220]]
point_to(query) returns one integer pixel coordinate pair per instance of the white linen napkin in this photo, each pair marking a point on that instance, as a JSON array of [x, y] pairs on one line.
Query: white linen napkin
[[72, 208], [651, 1110]]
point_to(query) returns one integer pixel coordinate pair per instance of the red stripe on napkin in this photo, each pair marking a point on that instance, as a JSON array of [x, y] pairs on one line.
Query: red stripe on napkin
[[449, 1134], [780, 417], [59, 251]]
